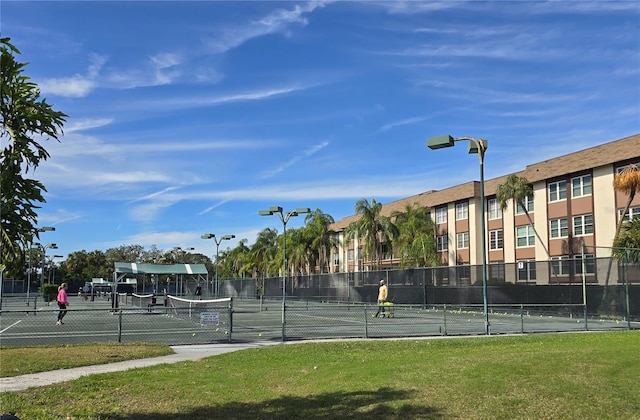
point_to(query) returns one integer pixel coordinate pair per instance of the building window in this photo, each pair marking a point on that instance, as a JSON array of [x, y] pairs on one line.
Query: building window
[[462, 211], [350, 255], [581, 186], [557, 191], [495, 239], [442, 243], [528, 202], [463, 273], [462, 240], [633, 213], [524, 236], [589, 264], [336, 259], [560, 265], [559, 228], [441, 215], [360, 253], [496, 271], [526, 270], [494, 209], [583, 225]]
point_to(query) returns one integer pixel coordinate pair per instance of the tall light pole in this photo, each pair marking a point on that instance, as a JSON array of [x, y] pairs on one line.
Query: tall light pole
[[43, 248], [42, 229], [284, 217], [478, 146], [53, 264], [218, 241], [183, 251]]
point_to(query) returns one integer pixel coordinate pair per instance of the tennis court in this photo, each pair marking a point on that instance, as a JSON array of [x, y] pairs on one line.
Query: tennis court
[[225, 320]]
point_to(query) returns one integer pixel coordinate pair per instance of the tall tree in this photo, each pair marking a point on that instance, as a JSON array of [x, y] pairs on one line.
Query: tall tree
[[25, 119], [322, 238], [263, 252], [628, 183], [416, 240], [372, 227], [517, 189]]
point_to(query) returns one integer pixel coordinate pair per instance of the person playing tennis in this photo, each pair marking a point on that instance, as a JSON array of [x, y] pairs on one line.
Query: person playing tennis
[[62, 302], [382, 298]]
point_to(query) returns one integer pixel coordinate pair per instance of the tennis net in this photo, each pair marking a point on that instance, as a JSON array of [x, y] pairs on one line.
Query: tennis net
[[200, 311]]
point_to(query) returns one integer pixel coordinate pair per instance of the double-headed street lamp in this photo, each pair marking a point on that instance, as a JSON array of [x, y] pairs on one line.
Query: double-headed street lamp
[[284, 217], [42, 229], [53, 266], [44, 248], [218, 241], [478, 146]]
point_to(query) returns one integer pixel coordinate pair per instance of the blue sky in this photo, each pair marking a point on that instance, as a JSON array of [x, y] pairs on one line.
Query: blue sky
[[188, 118]]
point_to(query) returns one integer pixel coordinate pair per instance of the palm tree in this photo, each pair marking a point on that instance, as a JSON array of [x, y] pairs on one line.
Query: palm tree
[[322, 238], [628, 183], [263, 252], [416, 236], [517, 189], [373, 228], [627, 243]]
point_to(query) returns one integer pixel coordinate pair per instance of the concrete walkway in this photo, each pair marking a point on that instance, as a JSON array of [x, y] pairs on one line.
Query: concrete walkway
[[182, 353]]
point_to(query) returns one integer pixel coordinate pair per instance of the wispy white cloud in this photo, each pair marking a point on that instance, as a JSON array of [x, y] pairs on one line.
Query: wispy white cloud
[[78, 85], [86, 124], [278, 21], [208, 209], [305, 154]]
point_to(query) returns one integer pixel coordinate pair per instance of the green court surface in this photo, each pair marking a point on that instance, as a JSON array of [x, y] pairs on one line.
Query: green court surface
[[252, 320]]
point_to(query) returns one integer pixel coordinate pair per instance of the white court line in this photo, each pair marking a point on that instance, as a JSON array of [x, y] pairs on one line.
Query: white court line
[[11, 326]]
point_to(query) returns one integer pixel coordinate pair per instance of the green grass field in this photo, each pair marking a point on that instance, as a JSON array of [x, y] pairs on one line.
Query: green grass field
[[545, 376]]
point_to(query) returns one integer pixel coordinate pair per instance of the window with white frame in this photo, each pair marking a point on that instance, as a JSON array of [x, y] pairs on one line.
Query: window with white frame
[[494, 209], [462, 211], [359, 252], [583, 225], [441, 215], [526, 270], [462, 240], [581, 186], [559, 228], [442, 243], [350, 254], [633, 213], [560, 265], [336, 259], [495, 239], [557, 191], [528, 202], [525, 236], [589, 264]]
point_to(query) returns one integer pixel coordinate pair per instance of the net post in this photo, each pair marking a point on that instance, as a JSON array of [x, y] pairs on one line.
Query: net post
[[584, 286]]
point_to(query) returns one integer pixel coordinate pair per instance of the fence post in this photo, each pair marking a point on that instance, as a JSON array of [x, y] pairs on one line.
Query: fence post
[[230, 316], [366, 322], [521, 318], [120, 325], [444, 317]]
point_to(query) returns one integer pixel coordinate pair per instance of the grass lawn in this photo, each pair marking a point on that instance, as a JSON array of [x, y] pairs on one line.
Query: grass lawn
[[550, 376]]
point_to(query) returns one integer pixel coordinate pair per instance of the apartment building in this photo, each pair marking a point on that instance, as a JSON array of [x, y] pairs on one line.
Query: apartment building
[[574, 203]]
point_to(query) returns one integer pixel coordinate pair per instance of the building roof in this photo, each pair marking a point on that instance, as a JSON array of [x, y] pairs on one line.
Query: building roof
[[135, 268], [621, 150]]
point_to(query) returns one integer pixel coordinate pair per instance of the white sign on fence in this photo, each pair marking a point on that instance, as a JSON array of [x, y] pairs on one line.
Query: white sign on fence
[[210, 318]]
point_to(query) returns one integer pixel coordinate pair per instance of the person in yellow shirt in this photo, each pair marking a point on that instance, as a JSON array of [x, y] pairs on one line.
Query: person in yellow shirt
[[382, 298]]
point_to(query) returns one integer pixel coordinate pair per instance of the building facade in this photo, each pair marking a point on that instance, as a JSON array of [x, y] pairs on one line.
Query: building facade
[[574, 208]]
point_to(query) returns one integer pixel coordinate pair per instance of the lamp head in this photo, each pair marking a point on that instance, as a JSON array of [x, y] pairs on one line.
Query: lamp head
[[227, 237], [208, 236], [302, 210], [440, 142], [265, 213]]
